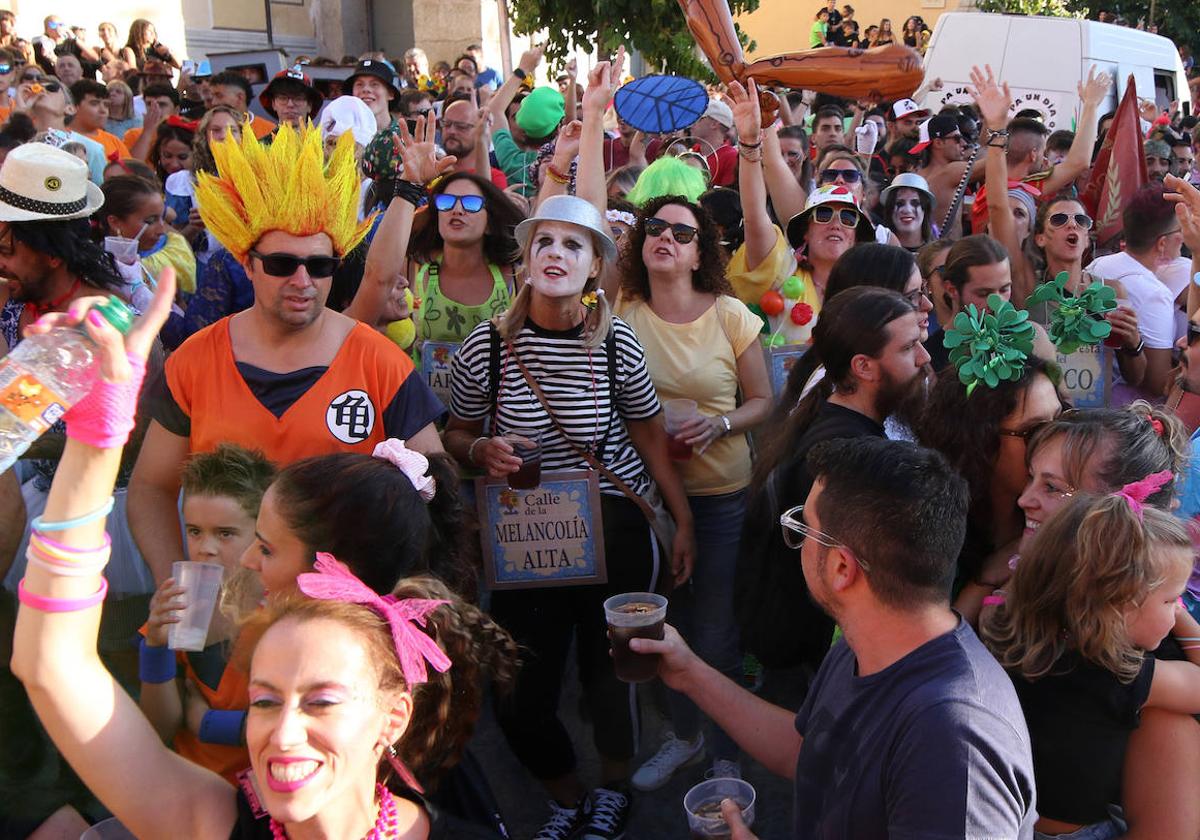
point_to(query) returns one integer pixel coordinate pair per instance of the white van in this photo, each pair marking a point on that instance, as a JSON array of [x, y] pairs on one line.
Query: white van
[[1044, 58]]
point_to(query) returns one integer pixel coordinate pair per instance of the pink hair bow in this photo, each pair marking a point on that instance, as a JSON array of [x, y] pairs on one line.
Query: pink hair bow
[[412, 464], [333, 581], [1137, 492]]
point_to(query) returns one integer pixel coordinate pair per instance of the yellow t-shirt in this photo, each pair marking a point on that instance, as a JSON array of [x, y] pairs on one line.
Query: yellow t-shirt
[[698, 361], [750, 284]]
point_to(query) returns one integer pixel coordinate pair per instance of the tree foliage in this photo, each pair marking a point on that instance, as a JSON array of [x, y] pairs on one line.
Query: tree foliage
[[655, 28]]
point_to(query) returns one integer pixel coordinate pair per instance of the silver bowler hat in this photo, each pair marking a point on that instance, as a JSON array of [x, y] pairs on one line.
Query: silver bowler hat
[[573, 211]]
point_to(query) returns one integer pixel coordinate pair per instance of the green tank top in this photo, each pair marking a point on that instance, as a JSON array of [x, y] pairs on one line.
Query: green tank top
[[443, 319]]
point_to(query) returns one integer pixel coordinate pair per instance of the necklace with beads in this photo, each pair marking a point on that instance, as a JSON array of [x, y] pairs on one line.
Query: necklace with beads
[[385, 827]]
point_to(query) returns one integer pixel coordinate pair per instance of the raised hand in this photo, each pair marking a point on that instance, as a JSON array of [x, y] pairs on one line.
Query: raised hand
[[1097, 86], [531, 58], [1187, 209], [747, 113], [566, 146], [993, 98], [603, 81], [419, 153]]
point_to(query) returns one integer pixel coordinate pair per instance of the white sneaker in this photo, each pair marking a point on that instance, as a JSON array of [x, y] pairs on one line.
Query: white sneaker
[[563, 823], [723, 768], [671, 756]]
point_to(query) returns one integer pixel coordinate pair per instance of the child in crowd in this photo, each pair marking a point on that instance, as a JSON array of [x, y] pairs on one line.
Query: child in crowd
[[203, 714], [134, 209], [1098, 587]]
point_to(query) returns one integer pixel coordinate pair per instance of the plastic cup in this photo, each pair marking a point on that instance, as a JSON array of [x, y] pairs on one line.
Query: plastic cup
[[635, 615], [677, 413], [530, 473], [109, 829], [123, 250], [202, 584], [703, 806], [1112, 341]]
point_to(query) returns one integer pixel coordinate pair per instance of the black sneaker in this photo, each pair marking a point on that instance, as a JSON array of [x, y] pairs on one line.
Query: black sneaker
[[605, 813], [563, 823]]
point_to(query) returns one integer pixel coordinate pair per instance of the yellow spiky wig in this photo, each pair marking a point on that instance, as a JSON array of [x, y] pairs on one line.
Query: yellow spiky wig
[[283, 186]]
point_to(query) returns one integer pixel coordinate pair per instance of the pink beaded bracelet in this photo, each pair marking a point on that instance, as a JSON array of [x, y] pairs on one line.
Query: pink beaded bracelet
[[42, 603]]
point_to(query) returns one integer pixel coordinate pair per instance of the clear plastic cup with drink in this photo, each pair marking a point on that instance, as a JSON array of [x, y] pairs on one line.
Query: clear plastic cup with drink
[[201, 583], [703, 806], [677, 414], [635, 615], [527, 445], [1114, 341]]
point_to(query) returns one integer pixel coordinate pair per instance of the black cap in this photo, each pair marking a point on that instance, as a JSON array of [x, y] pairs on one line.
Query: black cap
[[935, 128], [380, 70]]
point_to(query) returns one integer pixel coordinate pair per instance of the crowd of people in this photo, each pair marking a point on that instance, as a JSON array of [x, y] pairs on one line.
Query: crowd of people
[[883, 492]]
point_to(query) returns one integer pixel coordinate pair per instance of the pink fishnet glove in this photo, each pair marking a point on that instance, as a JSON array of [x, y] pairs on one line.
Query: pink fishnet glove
[[104, 418]]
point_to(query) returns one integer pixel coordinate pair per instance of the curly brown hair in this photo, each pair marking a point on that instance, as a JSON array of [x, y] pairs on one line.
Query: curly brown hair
[[709, 277], [447, 705]]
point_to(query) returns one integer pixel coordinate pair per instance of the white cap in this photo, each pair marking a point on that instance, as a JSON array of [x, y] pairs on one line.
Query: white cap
[[906, 108], [348, 113], [720, 112]]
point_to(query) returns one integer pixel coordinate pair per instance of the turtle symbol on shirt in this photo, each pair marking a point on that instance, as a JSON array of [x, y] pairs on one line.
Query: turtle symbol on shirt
[[351, 416]]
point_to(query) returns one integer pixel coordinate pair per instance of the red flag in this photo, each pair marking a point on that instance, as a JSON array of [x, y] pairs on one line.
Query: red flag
[[1119, 169]]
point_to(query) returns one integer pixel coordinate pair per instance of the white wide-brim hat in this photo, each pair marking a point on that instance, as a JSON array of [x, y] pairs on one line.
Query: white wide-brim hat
[[41, 183], [573, 211]]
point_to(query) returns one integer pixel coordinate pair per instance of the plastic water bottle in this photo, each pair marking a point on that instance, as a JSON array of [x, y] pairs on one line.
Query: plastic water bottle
[[45, 375]]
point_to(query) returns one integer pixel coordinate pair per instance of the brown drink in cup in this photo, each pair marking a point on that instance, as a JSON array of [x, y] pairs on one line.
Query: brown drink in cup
[[702, 804], [529, 450], [635, 615]]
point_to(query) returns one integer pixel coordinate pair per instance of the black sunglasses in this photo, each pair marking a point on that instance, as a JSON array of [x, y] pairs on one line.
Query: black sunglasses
[[285, 265], [1193, 333], [1057, 220], [849, 176], [847, 216], [681, 233]]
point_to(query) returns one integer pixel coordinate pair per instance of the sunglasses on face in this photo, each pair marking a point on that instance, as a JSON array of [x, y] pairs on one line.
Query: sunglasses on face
[[848, 176], [444, 202], [681, 233], [846, 216], [795, 532], [1193, 333], [1057, 220], [285, 265]]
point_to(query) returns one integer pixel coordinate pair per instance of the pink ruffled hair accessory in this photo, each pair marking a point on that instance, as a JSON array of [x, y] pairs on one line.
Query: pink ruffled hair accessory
[[333, 581], [410, 462], [1136, 493]]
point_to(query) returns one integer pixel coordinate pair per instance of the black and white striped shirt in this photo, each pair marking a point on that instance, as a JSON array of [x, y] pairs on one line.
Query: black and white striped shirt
[[576, 384]]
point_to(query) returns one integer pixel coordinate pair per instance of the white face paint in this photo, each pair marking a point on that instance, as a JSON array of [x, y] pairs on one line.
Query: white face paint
[[562, 257], [908, 215]]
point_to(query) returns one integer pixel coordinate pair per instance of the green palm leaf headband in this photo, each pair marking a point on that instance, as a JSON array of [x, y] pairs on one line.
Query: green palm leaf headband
[[990, 346], [1078, 319]]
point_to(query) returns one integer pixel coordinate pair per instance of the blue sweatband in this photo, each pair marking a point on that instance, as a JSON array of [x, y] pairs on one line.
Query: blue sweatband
[[221, 726], [155, 664]]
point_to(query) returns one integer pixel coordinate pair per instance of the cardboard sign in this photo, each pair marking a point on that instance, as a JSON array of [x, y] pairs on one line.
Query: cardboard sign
[[436, 357], [551, 535], [780, 361], [1087, 376]]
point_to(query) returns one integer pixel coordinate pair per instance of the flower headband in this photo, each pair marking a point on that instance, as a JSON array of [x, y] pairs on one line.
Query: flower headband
[[990, 346], [622, 216], [1078, 319], [413, 464], [1136, 493]]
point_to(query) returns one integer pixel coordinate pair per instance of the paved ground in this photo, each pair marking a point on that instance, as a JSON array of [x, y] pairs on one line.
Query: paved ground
[[657, 815]]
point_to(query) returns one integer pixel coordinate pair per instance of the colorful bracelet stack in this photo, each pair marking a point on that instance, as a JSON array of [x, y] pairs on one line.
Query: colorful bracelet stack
[[63, 560]]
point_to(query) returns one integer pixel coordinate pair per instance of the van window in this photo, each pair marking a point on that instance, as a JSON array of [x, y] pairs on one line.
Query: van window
[[1164, 88]]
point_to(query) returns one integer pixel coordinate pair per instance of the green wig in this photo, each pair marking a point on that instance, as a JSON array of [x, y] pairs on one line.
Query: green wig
[[668, 176]]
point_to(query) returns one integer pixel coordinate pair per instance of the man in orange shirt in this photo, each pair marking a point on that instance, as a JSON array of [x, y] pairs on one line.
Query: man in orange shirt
[[288, 376], [162, 101], [232, 89], [91, 115]]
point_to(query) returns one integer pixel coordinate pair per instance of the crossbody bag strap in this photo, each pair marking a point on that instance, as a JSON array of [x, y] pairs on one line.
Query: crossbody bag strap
[[592, 460]]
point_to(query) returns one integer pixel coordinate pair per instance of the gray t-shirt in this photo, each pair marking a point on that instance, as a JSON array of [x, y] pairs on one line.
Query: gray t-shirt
[[934, 746]]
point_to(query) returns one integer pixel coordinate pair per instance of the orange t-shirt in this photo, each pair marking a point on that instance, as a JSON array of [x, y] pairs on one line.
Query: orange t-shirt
[[111, 143], [262, 126], [131, 136], [224, 687], [367, 394]]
